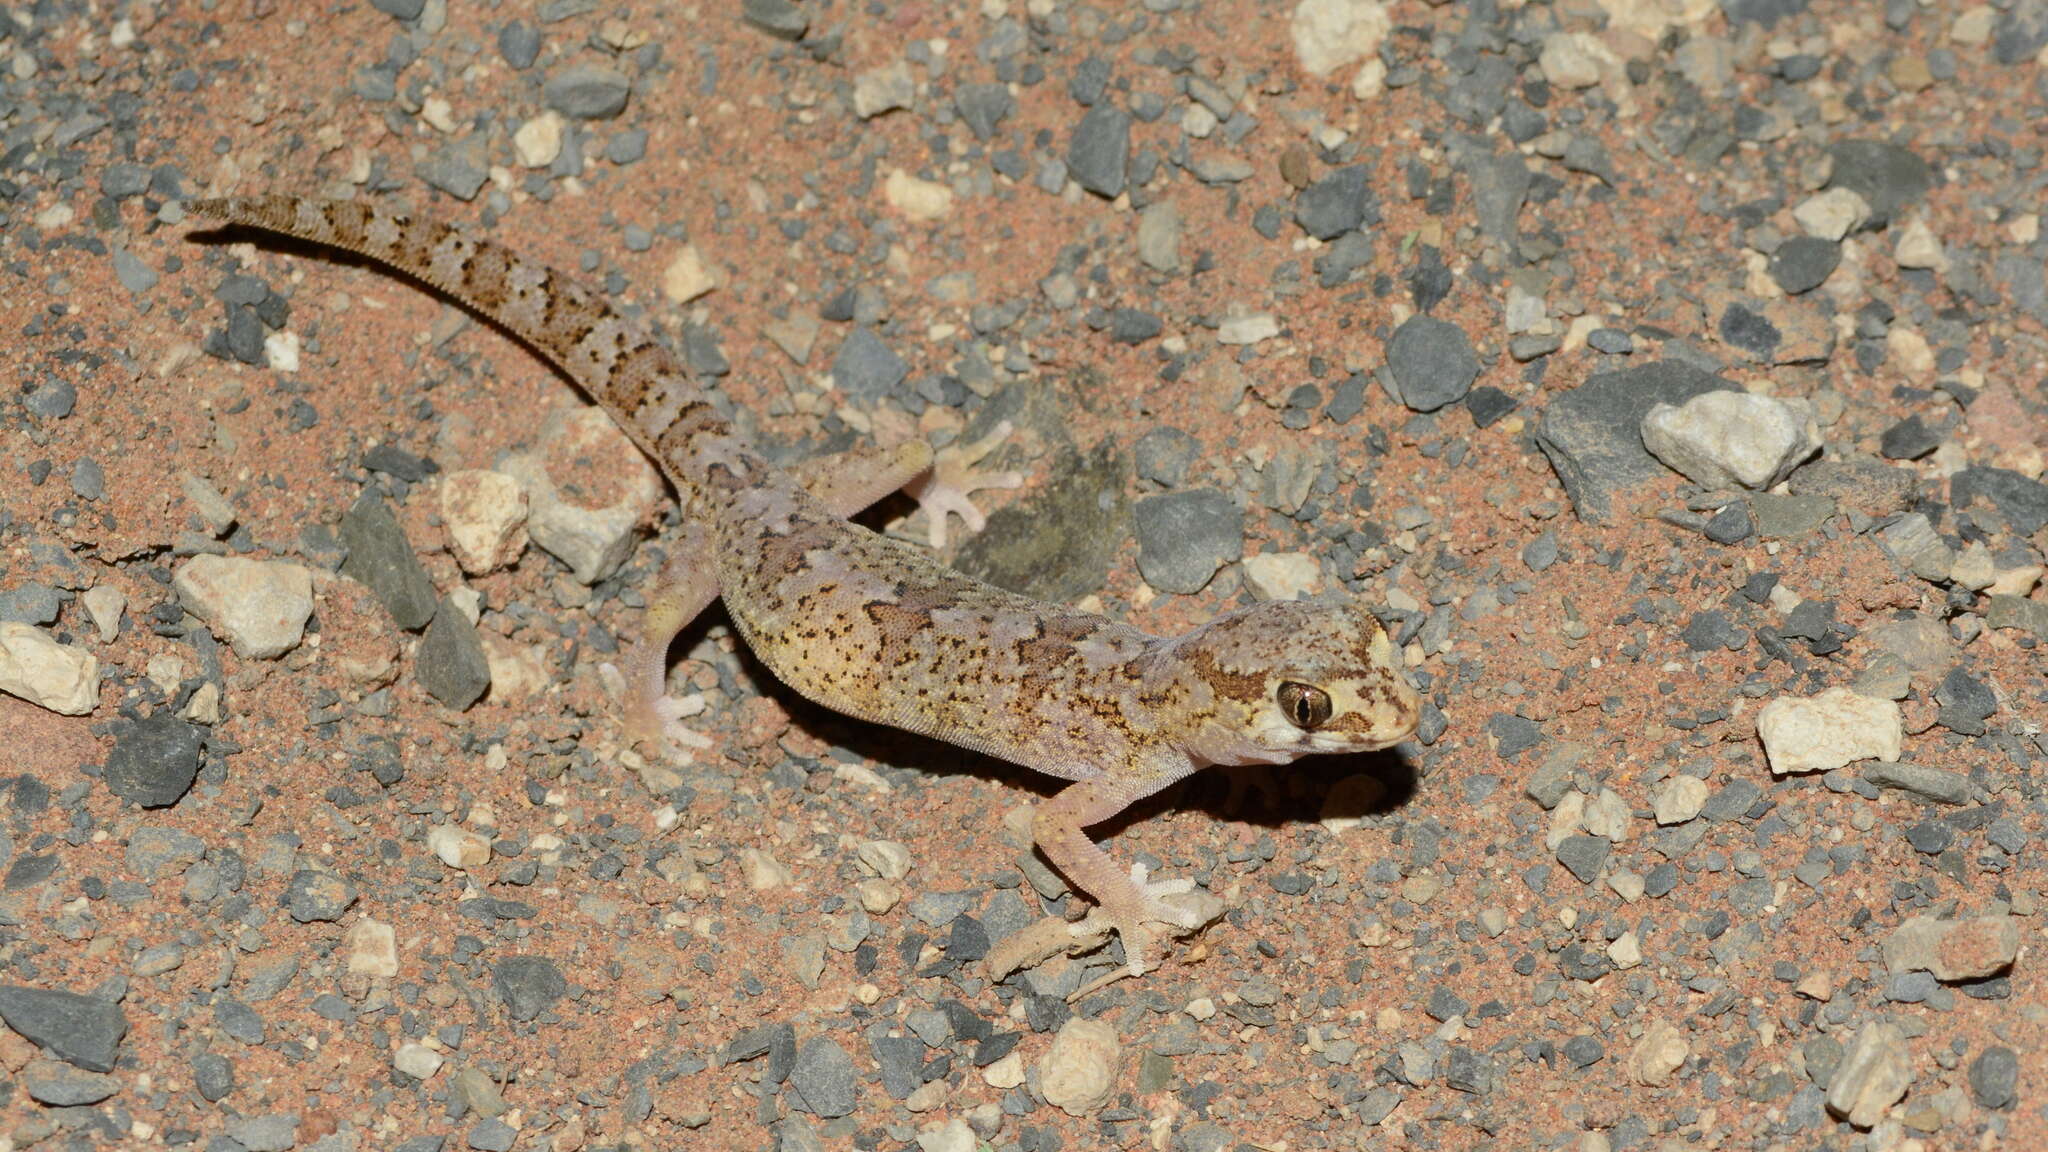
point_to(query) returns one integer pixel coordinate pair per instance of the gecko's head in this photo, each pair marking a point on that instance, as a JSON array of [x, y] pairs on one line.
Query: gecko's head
[[1277, 681]]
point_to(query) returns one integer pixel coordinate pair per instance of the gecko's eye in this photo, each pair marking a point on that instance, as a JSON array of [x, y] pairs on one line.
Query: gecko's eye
[[1306, 706]]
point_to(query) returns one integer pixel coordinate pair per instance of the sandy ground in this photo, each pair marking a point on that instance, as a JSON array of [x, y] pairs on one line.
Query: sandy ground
[[1352, 300]]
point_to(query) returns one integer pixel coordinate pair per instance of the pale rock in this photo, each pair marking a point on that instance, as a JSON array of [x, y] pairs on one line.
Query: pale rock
[[518, 671], [1159, 232], [1626, 952], [1606, 816], [1825, 732], [105, 604], [60, 677], [1679, 799], [1660, 1053], [1721, 439], [1874, 1074], [1913, 542], [588, 491], [1973, 27], [762, 871], [952, 1136], [1918, 247], [919, 200], [687, 276], [1832, 214], [883, 89], [1370, 81], [1329, 34], [458, 847], [1968, 949], [887, 859], [417, 1060], [259, 606], [204, 705], [372, 948], [1077, 1074], [1237, 330], [1283, 575], [484, 515], [1006, 1073], [1907, 351], [539, 140], [1574, 60], [281, 351], [1973, 567], [213, 508]]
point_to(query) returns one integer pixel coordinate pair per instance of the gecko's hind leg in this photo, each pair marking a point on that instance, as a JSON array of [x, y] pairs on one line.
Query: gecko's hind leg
[[845, 483]]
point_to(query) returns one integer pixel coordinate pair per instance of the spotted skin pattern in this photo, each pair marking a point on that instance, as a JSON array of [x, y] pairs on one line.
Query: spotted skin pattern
[[876, 628]]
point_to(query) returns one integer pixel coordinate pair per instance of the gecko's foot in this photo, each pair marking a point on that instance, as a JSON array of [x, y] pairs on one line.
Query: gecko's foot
[[1176, 906], [653, 723], [948, 488]]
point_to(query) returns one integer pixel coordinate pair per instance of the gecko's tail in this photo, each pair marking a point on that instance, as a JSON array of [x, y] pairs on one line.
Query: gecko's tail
[[612, 358]]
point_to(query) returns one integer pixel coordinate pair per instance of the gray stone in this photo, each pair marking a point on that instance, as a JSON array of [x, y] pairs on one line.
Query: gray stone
[[587, 92], [213, 1075], [529, 985], [62, 1086], [134, 275], [1888, 177], [1909, 439], [1593, 433], [1788, 517], [1432, 362], [822, 1081], [1334, 205], [33, 602], [1185, 537], [382, 559], [1583, 854], [123, 180], [81, 1030], [1346, 255], [154, 761], [779, 18], [900, 1060], [1936, 784], [270, 1132], [400, 9], [1995, 1077], [455, 169], [313, 895], [866, 368], [1099, 151], [1162, 456], [450, 663], [2023, 501], [1966, 703], [983, 107], [493, 1135], [2017, 612], [53, 399], [154, 853], [519, 44]]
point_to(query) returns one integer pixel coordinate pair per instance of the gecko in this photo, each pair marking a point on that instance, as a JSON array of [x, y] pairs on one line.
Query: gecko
[[878, 629]]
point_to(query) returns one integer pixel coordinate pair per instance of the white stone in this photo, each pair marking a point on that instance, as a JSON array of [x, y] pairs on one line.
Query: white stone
[[372, 948], [60, 677], [1575, 60], [887, 859], [1159, 231], [1919, 247], [917, 199], [1247, 329], [687, 276], [1873, 1075], [458, 847], [1626, 952], [1832, 214], [259, 606], [1077, 1074], [883, 89], [1661, 1052], [1370, 81], [281, 351], [417, 1061], [1283, 575], [580, 457], [1722, 439], [1328, 34], [105, 604], [1679, 799], [1825, 732], [952, 1136], [484, 515], [1973, 27], [538, 141]]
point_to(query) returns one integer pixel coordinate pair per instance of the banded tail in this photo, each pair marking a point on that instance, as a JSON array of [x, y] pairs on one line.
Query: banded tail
[[611, 358]]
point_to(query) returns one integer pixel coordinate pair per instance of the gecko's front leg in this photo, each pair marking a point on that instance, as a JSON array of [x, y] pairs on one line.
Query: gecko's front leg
[[1127, 902]]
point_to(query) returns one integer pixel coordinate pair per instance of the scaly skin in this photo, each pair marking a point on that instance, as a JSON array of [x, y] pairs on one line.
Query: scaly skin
[[877, 629]]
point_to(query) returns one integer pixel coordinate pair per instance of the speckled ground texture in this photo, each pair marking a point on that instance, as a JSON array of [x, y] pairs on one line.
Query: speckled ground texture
[[1364, 300]]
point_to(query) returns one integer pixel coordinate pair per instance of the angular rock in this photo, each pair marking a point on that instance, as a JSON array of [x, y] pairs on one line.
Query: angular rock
[[63, 678], [81, 1030], [1724, 439], [1593, 433], [258, 606], [1874, 1074], [1099, 152], [1185, 537], [1828, 731], [588, 492], [382, 560]]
